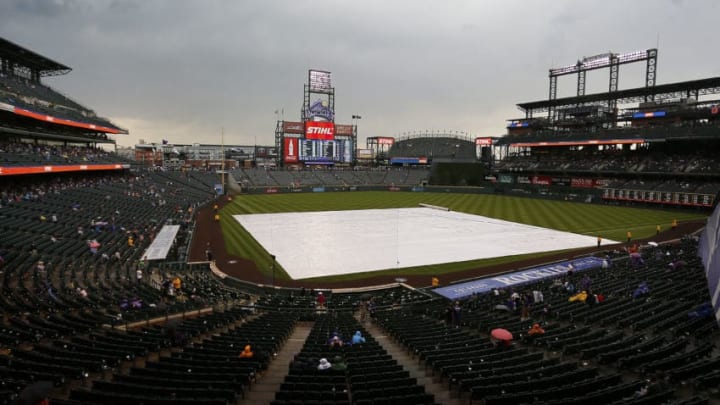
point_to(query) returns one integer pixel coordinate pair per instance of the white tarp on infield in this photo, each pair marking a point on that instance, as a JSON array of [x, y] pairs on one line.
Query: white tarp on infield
[[312, 244]]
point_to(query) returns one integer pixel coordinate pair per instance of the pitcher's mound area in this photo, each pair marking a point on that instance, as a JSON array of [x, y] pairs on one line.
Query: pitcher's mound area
[[314, 244]]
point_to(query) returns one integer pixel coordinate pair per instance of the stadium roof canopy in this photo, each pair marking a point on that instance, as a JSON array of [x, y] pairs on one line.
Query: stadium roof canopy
[[660, 92], [26, 58]]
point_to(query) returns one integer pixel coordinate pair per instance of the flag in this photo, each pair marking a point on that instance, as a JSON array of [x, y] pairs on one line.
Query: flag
[[164, 141]]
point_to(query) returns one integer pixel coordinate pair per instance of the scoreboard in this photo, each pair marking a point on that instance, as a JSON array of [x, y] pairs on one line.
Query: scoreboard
[[325, 151]]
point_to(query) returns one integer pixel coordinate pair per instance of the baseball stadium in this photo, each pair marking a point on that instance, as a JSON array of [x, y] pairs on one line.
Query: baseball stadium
[[572, 259]]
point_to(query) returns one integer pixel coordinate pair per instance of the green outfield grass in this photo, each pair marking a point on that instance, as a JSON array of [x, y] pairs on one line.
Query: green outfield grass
[[610, 222]]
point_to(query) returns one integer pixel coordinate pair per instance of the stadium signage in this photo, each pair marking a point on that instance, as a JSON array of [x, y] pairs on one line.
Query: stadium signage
[[319, 80], [483, 141], [384, 140], [272, 190], [659, 197], [320, 130], [290, 150], [462, 290], [343, 130], [10, 171], [365, 154], [61, 121], [577, 143], [653, 114], [319, 109], [579, 182], [293, 127], [541, 180], [505, 178]]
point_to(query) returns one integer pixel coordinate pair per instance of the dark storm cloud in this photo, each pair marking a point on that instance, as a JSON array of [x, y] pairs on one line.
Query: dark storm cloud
[[180, 70]]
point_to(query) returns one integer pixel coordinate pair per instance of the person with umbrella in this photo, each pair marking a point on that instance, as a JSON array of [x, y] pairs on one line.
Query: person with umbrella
[[501, 338]]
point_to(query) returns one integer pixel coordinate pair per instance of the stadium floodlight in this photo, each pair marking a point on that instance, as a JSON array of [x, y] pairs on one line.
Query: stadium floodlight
[[600, 61]]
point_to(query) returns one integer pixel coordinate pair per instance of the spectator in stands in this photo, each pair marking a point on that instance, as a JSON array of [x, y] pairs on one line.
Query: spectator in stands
[[538, 296], [358, 338], [526, 303], [177, 284], [456, 314], [324, 364], [321, 300], [585, 283], [335, 340], [581, 296], [536, 330], [247, 353], [570, 269], [208, 253], [641, 290], [139, 275], [449, 315], [339, 364]]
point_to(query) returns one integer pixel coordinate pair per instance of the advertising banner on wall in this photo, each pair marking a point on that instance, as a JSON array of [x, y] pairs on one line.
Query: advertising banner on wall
[[659, 197], [581, 182], [319, 130], [290, 150], [365, 154], [505, 178], [343, 130], [541, 180], [293, 127]]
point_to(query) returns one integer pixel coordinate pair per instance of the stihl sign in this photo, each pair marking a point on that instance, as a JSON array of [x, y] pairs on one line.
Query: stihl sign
[[319, 130]]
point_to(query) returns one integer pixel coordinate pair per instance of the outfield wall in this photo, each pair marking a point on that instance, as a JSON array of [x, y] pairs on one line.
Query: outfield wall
[[548, 193]]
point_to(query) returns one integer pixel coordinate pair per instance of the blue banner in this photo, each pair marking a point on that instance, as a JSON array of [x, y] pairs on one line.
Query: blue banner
[[709, 252], [484, 285]]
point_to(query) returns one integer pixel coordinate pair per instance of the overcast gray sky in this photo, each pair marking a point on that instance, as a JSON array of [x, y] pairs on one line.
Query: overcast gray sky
[[180, 70]]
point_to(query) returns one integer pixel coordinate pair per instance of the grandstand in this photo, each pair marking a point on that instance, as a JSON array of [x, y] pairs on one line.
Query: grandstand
[[87, 320], [260, 179], [27, 105], [425, 148], [653, 144]]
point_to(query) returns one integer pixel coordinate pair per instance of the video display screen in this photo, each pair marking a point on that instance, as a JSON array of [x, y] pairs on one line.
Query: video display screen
[[336, 150]]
